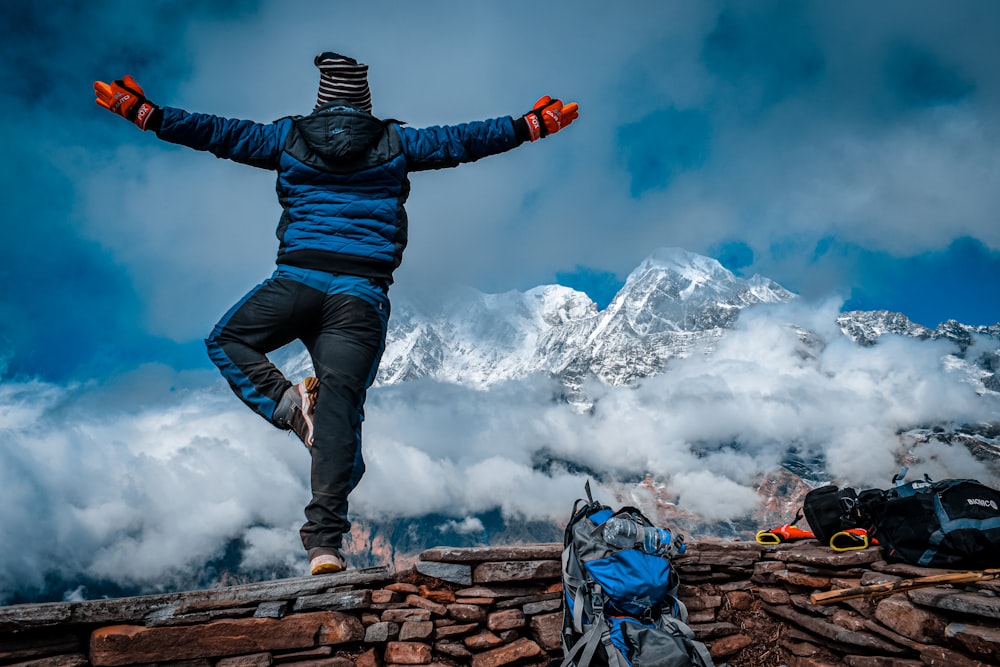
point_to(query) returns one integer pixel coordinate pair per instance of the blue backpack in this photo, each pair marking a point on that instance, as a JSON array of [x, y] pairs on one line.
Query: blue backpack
[[621, 607]]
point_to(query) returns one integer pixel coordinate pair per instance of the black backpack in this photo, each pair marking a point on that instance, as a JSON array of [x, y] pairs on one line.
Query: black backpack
[[620, 607], [954, 523], [829, 510]]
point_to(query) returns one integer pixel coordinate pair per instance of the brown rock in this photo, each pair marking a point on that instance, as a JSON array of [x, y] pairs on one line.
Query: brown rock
[[880, 661], [335, 661], [547, 630], [810, 661], [765, 571], [446, 631], [467, 613], [727, 556], [310, 654], [938, 656], [407, 653], [401, 587], [483, 639], [729, 645], [454, 649], [525, 570], [439, 595], [703, 602], [830, 631], [368, 659], [900, 615], [800, 648], [549, 551], [25, 649], [844, 582], [66, 660], [519, 650], [706, 631], [960, 601], [505, 620], [484, 602], [739, 600], [542, 606], [130, 644], [404, 615], [429, 605], [849, 620], [508, 636], [739, 585], [477, 592], [383, 596], [524, 600], [804, 603], [774, 595], [415, 630], [254, 660], [976, 639], [906, 571], [871, 577], [800, 579], [817, 555]]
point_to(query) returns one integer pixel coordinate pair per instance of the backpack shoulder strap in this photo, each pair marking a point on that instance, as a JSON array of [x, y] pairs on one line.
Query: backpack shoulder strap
[[599, 633]]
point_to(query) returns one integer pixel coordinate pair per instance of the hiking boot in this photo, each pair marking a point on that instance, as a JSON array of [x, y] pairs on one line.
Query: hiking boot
[[295, 410], [326, 560]]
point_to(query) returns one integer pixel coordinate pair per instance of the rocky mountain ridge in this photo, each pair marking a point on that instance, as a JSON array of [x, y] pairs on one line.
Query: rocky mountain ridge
[[674, 303]]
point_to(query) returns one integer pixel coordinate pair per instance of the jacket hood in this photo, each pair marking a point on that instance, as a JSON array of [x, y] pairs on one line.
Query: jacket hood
[[336, 132]]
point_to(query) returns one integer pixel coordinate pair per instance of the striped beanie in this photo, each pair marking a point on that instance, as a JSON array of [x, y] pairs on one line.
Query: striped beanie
[[342, 78]]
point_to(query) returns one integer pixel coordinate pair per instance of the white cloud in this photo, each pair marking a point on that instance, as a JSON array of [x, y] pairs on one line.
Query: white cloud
[[142, 480], [467, 526]]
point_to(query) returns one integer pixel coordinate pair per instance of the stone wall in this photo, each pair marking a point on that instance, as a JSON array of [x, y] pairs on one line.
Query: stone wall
[[488, 607]]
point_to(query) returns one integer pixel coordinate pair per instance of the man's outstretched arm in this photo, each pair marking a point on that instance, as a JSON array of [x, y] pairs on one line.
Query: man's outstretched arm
[[245, 141], [450, 145]]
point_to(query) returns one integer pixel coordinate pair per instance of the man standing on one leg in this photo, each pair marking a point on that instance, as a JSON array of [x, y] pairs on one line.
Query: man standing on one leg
[[341, 182]]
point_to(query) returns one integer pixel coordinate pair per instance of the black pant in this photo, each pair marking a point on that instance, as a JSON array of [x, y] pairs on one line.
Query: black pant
[[342, 322]]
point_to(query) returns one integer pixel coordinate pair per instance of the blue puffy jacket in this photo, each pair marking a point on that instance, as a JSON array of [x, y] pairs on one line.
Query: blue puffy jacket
[[342, 176]]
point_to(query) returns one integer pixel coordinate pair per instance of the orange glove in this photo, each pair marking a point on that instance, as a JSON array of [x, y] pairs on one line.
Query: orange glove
[[126, 98], [548, 116]]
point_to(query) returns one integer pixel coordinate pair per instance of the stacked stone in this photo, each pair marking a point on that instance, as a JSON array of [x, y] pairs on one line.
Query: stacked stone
[[949, 625], [480, 607], [483, 607], [495, 606], [720, 600]]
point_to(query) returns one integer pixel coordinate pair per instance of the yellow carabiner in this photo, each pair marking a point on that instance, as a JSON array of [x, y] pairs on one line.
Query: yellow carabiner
[[767, 537], [849, 541]]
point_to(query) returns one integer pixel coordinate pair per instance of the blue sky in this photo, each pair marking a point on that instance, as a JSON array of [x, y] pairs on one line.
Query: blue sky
[[840, 149]]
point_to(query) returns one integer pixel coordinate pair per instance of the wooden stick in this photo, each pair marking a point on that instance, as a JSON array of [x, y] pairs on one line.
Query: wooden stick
[[829, 597]]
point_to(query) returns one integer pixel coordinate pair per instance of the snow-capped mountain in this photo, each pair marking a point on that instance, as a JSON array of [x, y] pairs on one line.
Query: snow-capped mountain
[[673, 303], [981, 365]]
